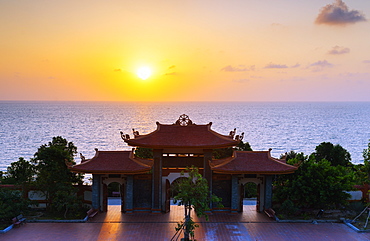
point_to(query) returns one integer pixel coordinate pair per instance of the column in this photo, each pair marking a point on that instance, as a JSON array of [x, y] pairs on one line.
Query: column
[[157, 182], [235, 195], [96, 191], [268, 192], [207, 172], [129, 196]]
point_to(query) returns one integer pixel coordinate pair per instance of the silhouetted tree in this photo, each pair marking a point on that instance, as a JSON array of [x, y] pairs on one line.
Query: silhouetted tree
[[21, 173], [335, 154], [52, 172]]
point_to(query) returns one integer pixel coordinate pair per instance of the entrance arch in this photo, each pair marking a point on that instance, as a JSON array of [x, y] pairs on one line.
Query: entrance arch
[[113, 188], [168, 182], [259, 191]]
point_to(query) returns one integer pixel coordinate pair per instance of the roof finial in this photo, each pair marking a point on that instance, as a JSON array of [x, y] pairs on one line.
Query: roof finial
[[232, 133], [83, 159], [125, 137], [136, 133], [183, 120]]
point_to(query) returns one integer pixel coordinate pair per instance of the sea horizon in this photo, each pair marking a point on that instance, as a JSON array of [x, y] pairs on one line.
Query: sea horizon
[[282, 126]]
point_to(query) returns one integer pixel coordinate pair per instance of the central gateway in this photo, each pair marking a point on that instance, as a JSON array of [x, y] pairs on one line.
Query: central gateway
[[145, 182]]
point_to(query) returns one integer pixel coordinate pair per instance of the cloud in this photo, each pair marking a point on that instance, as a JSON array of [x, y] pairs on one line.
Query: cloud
[[339, 14], [366, 61], [295, 66], [117, 70], [320, 65], [276, 66], [338, 50], [170, 70], [239, 68]]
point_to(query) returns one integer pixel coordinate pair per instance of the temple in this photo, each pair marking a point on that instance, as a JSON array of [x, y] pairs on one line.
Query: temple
[[145, 183]]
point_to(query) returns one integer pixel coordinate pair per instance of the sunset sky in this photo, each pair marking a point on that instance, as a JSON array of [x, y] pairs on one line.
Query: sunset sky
[[203, 50]]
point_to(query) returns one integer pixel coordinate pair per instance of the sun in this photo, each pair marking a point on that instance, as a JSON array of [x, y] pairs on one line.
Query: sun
[[144, 72]]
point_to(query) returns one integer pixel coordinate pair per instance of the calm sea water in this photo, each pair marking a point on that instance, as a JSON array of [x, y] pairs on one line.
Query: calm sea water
[[281, 126]]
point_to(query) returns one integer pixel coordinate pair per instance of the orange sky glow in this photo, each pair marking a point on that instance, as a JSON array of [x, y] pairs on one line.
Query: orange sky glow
[[197, 50]]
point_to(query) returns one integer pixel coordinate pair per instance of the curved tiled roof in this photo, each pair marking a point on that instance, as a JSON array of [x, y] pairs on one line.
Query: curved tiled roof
[[118, 162], [251, 162], [177, 136]]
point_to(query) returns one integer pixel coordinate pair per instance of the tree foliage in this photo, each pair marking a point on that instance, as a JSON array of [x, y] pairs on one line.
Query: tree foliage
[[363, 170], [227, 152], [11, 204], [20, 172], [67, 202], [335, 154], [52, 172], [145, 153], [193, 193], [318, 183]]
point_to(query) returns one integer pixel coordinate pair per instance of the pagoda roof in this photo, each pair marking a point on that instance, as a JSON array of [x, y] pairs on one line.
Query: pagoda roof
[[251, 162], [117, 162], [182, 134]]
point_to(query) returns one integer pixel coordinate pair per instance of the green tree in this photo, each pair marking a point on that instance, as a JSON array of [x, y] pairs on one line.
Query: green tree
[[316, 184], [11, 204], [193, 193], [227, 152], [67, 202], [145, 153], [52, 171], [21, 173], [363, 170], [335, 154]]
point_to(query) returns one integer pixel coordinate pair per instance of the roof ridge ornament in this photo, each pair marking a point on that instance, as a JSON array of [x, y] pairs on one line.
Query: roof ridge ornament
[[184, 121]]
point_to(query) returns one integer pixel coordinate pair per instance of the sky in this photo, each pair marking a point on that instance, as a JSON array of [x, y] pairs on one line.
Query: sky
[[209, 50]]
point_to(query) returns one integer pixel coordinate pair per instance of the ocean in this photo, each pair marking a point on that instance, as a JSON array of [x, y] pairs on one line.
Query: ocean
[[282, 126]]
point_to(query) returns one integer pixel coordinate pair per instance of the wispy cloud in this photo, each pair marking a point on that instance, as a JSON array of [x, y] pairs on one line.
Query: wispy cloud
[[339, 14], [117, 70], [239, 68], [320, 65], [366, 61], [276, 66], [338, 50], [170, 70]]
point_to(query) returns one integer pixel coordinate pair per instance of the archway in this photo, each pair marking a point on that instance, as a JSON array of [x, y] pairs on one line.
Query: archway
[[252, 194], [170, 193], [113, 194]]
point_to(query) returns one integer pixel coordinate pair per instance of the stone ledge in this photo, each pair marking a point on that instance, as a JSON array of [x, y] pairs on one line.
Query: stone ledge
[[7, 229], [349, 224]]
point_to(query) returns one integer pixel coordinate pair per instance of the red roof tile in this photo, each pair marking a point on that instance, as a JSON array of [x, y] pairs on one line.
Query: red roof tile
[[251, 162], [118, 162], [177, 136]]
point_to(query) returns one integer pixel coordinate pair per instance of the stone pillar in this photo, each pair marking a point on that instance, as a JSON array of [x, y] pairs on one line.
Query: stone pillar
[[96, 191], [268, 192], [129, 196], [235, 195], [207, 172], [157, 182]]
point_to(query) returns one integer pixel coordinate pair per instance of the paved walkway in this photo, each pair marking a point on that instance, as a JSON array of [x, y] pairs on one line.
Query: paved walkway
[[248, 226]]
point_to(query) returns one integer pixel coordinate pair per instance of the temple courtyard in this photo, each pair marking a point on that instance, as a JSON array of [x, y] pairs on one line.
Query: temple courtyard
[[248, 225]]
